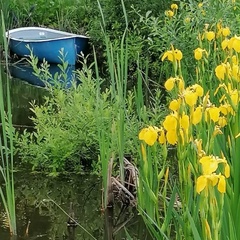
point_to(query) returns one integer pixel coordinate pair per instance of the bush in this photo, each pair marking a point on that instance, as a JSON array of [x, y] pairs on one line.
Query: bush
[[65, 135]]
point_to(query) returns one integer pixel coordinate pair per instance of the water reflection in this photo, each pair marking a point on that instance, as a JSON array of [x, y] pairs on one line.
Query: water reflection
[[24, 71], [22, 94], [45, 220]]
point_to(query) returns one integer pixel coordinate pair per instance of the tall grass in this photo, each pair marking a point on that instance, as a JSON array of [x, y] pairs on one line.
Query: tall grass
[[6, 147], [117, 63], [4, 6]]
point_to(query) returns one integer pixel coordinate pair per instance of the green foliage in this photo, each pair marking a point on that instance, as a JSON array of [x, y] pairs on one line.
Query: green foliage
[[66, 15], [64, 129], [65, 135]]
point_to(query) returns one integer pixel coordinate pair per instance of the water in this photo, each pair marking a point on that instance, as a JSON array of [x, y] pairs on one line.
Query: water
[[22, 93], [36, 192], [48, 221]]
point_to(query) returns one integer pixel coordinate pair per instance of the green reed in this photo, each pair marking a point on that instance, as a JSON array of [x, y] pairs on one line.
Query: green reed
[[6, 147], [117, 63], [104, 137]]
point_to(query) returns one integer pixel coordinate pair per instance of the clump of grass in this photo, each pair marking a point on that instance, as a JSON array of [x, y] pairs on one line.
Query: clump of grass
[[6, 147]]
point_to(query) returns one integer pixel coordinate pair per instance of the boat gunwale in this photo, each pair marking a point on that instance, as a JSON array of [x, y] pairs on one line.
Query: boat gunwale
[[68, 35]]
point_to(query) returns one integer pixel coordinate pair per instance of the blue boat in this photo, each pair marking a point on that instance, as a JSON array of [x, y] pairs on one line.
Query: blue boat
[[47, 43]]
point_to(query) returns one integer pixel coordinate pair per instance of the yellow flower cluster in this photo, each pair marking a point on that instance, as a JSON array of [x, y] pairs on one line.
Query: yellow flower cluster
[[227, 72], [176, 127], [232, 43], [178, 123], [170, 83], [191, 94], [222, 32], [190, 108], [185, 110], [230, 98]]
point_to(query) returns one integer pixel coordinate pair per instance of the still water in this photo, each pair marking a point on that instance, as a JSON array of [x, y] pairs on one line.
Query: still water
[[46, 220], [42, 202], [22, 93]]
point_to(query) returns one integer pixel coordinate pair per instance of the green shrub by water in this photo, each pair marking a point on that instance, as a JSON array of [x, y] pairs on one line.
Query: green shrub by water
[[65, 135]]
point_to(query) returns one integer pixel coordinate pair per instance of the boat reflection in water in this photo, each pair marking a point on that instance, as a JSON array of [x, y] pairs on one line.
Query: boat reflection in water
[[54, 75]]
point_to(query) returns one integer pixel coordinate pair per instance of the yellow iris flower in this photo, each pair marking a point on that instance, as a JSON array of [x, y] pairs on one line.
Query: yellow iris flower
[[236, 44], [174, 6], [184, 122], [170, 122], [222, 121], [224, 44], [209, 177], [171, 137], [197, 115], [220, 71], [212, 113], [210, 35], [169, 84], [226, 31], [174, 105], [170, 125], [197, 89], [211, 180], [172, 55], [198, 53], [169, 13], [149, 135], [190, 97]]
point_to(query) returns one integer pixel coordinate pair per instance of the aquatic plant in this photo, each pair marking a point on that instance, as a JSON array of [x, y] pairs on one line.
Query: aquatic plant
[[6, 147], [118, 70], [203, 126]]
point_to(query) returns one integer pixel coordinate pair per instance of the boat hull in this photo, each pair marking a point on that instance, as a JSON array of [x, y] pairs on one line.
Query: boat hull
[[47, 44]]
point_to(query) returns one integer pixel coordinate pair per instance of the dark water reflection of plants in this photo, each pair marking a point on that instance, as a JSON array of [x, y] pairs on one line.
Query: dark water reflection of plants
[[47, 221], [22, 94]]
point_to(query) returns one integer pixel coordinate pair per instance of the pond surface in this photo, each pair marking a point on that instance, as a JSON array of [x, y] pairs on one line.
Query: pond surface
[[42, 202], [22, 93], [28, 88]]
